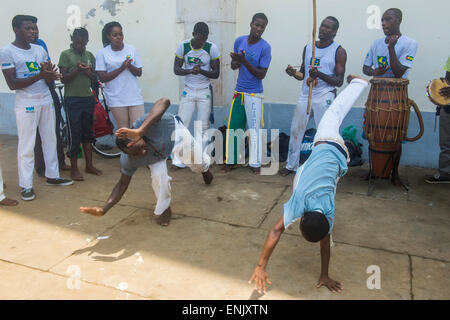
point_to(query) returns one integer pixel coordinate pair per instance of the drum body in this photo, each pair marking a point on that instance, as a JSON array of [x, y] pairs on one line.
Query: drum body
[[386, 122]]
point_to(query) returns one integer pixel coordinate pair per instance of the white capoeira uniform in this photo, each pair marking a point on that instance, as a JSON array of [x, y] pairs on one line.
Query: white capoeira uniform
[[169, 136], [323, 96], [34, 109], [197, 92]]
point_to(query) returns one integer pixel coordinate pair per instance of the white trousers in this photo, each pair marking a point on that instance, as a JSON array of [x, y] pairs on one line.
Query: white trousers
[[192, 98], [328, 129], [319, 106], [253, 112], [28, 119], [2, 194], [331, 122], [190, 153]]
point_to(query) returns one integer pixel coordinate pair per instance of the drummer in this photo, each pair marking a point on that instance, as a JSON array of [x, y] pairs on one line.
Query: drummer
[[444, 137], [391, 56]]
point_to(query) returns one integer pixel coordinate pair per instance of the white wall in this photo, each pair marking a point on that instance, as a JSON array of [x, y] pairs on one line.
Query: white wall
[[148, 25], [155, 27], [290, 28]]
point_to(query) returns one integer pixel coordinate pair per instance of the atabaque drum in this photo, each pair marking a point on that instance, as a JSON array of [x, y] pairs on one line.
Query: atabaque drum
[[386, 122]]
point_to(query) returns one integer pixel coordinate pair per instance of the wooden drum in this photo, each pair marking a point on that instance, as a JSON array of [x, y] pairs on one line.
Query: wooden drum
[[386, 122]]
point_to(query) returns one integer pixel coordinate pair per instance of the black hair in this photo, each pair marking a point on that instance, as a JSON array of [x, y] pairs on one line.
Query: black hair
[[107, 30], [201, 28], [122, 144], [396, 12], [19, 19], [336, 22], [261, 16], [314, 226], [81, 33]]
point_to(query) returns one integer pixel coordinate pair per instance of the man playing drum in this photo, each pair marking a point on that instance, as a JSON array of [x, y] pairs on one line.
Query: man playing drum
[[391, 57], [444, 136], [328, 70]]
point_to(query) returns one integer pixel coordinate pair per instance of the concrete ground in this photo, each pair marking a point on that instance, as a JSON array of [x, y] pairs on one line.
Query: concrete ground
[[48, 250]]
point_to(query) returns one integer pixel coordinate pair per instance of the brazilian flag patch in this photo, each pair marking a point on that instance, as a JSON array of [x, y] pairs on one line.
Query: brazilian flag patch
[[33, 66], [382, 61]]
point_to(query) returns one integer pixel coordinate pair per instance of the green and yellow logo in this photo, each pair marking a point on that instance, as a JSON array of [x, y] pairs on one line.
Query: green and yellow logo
[[316, 62], [382, 61], [33, 66], [194, 60], [410, 58]]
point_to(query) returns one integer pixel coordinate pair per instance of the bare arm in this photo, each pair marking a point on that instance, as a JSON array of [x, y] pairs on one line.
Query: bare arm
[[178, 67], [339, 70], [299, 75], [116, 194], [46, 74], [397, 68], [154, 116], [260, 276], [215, 70], [137, 72], [109, 76], [324, 279], [259, 73]]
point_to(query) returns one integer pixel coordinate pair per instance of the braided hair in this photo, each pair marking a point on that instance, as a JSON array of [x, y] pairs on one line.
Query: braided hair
[[81, 33], [107, 31]]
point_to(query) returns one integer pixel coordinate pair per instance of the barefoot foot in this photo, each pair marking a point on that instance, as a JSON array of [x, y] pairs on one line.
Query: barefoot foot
[[76, 175], [93, 170], [164, 219], [9, 202]]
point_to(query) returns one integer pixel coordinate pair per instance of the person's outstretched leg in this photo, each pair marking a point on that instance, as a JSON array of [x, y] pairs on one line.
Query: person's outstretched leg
[[331, 121], [161, 187], [191, 154]]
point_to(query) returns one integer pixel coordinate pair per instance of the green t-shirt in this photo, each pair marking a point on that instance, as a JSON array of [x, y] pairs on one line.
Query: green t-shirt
[[80, 86], [447, 66]]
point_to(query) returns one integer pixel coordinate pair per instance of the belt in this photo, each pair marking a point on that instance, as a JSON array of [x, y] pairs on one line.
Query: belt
[[338, 146]]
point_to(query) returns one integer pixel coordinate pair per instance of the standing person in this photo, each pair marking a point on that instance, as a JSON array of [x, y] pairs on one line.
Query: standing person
[[202, 63], [328, 71], [76, 66], [444, 136], [391, 57], [252, 56], [39, 165], [149, 143], [313, 198], [28, 71], [118, 65], [4, 201]]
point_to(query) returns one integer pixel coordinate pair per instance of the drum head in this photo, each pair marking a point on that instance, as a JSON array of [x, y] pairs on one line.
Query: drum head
[[390, 81], [434, 89]]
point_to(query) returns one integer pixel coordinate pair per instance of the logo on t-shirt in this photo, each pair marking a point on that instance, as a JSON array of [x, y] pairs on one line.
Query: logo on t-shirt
[[194, 60], [382, 61], [33, 66], [316, 62], [410, 58]]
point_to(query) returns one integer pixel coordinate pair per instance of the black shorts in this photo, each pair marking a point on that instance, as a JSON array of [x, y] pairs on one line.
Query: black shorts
[[80, 116]]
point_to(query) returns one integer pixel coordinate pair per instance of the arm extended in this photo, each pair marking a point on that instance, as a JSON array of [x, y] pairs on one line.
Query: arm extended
[[116, 194], [260, 276]]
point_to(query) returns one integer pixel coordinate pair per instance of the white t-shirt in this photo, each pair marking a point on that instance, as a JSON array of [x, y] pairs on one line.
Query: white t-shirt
[[124, 90], [193, 57], [27, 64], [405, 48]]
